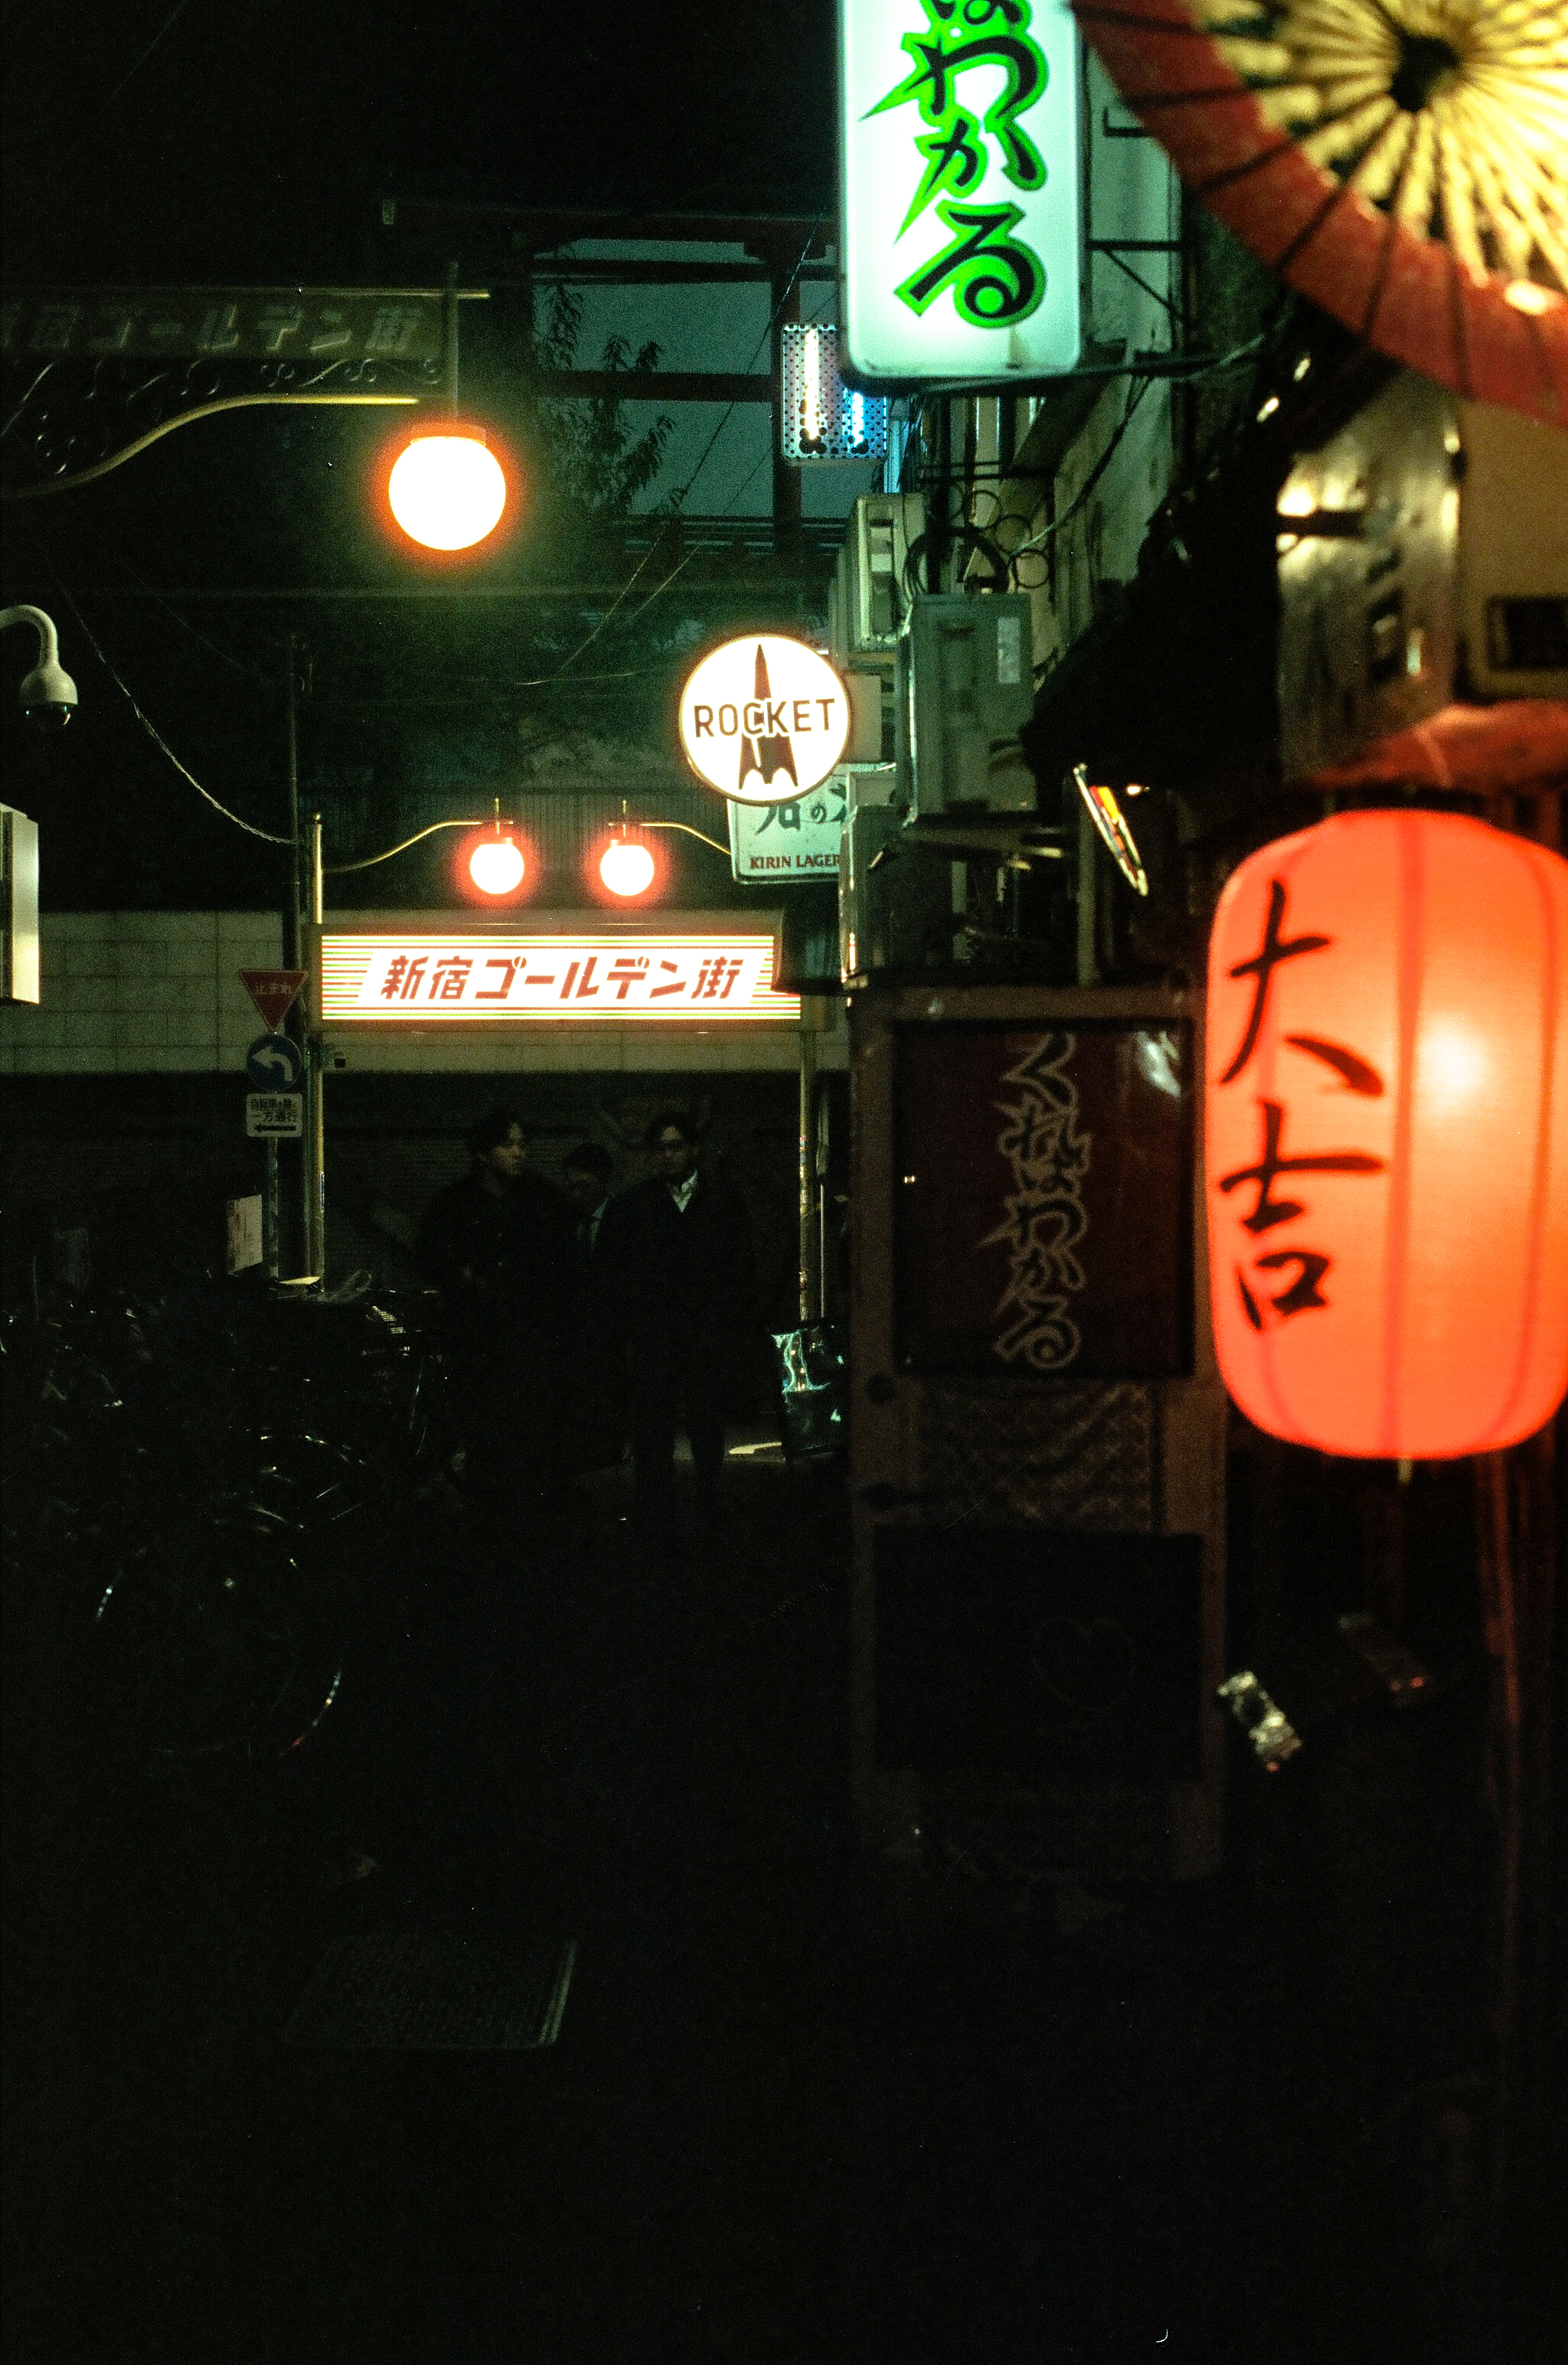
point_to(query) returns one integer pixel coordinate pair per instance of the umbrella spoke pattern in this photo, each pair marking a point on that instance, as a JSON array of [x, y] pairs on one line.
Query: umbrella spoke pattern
[[1404, 162]]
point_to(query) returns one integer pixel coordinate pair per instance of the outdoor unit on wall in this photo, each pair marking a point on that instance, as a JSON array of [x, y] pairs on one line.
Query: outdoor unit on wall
[[896, 915], [1423, 556], [867, 601], [1513, 553], [18, 906], [965, 692]]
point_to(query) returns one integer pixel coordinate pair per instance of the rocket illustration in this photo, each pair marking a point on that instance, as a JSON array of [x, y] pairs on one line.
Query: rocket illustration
[[766, 754]]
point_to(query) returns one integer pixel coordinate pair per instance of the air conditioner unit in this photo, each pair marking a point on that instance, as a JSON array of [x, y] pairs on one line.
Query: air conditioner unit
[[868, 602], [1513, 553], [965, 690], [1422, 557], [895, 901]]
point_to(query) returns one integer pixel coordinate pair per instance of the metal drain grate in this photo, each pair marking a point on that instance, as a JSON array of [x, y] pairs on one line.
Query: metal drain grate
[[435, 1994]]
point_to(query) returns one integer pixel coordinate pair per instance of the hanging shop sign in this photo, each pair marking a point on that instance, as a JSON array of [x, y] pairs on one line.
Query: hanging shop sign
[[820, 417], [407, 978], [1387, 1136], [798, 840], [1040, 1218], [960, 198], [764, 718]]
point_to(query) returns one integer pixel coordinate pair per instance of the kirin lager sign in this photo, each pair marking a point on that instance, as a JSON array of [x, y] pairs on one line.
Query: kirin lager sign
[[764, 719], [960, 202]]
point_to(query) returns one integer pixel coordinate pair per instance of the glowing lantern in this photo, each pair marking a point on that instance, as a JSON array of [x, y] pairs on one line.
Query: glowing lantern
[[1387, 1136], [447, 491], [626, 866], [495, 865]]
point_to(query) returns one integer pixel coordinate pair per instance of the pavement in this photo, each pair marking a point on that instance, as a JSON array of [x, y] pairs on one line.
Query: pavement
[[785, 2117]]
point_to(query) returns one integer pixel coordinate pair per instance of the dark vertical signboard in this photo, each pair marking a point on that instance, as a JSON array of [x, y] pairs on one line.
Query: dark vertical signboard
[[1043, 1217]]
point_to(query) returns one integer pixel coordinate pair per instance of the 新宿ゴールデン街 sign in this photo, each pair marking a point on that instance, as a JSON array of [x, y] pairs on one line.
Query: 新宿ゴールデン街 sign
[[409, 978], [960, 201]]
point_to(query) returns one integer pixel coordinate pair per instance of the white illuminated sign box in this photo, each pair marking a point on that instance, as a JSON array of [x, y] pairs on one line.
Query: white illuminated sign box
[[406, 979], [764, 719], [770, 844], [961, 201]]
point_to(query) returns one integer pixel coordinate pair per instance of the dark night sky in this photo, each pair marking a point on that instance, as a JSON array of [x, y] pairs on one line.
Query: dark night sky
[[255, 141], [233, 142]]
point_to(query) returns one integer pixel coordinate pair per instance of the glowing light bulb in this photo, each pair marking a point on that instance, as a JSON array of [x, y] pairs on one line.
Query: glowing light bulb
[[626, 868], [812, 371], [495, 866], [447, 491]]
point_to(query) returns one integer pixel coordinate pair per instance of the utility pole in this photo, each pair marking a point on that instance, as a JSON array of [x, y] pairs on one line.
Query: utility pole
[[295, 1259], [785, 290]]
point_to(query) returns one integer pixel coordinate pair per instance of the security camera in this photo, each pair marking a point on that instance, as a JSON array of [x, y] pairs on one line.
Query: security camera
[[48, 697], [49, 694]]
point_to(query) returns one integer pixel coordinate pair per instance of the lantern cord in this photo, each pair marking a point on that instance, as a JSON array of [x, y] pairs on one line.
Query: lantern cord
[[334, 869], [182, 419], [687, 830]]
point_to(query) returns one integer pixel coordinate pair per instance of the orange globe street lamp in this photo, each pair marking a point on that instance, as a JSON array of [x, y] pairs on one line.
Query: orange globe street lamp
[[627, 868], [446, 488], [626, 864], [495, 866]]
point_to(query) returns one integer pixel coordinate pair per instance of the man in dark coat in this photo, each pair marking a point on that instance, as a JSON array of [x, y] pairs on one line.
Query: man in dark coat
[[678, 1264], [599, 1382], [498, 1247]]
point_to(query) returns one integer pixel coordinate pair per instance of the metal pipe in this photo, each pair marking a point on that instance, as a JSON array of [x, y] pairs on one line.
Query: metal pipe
[[315, 1075], [810, 1268]]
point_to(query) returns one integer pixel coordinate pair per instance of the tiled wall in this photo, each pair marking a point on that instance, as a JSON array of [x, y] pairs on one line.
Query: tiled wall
[[124, 992]]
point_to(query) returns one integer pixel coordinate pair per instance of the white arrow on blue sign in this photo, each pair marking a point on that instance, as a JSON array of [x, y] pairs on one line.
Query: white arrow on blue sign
[[274, 1064]]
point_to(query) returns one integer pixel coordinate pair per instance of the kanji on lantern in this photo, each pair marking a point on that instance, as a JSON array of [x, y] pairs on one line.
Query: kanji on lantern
[[1387, 1136]]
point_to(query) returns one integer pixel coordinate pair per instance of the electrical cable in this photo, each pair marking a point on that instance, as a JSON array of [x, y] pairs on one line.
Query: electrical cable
[[678, 499], [270, 837], [1136, 393], [68, 484], [333, 869]]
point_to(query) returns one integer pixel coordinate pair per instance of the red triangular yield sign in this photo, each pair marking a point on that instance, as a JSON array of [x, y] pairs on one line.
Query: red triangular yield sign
[[272, 991]]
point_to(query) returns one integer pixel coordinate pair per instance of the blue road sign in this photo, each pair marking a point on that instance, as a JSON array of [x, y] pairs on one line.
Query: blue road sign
[[275, 1064]]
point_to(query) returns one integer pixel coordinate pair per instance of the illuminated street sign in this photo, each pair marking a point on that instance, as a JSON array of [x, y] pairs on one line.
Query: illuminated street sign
[[764, 719], [823, 419], [416, 978], [800, 840], [960, 204]]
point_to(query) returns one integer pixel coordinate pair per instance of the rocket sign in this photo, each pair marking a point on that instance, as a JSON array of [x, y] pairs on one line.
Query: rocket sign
[[764, 719]]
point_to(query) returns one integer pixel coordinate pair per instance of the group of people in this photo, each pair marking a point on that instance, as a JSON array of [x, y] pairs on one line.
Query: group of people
[[581, 1321]]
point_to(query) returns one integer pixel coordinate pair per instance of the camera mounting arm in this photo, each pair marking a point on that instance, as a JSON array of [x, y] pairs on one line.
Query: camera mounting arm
[[49, 694]]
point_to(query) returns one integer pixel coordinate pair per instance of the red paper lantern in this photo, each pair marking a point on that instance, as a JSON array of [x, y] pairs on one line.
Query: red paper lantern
[[1387, 1136]]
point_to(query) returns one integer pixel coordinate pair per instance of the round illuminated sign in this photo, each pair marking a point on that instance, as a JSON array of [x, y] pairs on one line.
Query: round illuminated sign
[[764, 719]]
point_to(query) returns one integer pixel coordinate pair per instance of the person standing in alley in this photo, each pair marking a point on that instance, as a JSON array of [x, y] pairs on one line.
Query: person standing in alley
[[681, 1280], [498, 1247], [598, 1395]]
